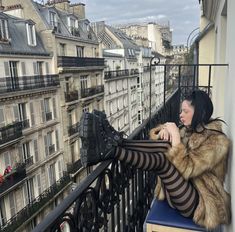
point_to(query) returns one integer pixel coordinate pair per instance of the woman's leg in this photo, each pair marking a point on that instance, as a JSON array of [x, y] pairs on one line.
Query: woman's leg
[[101, 142], [183, 196]]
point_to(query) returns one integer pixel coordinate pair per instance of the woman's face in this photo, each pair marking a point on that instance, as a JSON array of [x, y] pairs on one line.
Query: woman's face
[[187, 111]]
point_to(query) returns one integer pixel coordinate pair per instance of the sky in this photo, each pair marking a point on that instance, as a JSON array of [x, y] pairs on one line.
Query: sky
[[183, 15]]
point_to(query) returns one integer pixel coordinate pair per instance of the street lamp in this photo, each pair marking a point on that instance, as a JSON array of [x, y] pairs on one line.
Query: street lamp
[[152, 63]]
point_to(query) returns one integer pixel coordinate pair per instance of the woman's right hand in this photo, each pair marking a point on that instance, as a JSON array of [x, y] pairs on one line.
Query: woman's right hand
[[164, 134]]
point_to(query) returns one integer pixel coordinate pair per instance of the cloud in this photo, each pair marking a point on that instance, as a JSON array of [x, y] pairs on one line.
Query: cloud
[[183, 15]]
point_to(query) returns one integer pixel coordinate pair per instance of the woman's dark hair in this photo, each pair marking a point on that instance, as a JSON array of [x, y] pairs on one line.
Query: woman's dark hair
[[203, 108]]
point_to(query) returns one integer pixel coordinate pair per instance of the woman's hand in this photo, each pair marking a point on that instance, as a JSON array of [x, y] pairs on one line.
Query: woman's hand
[[173, 130], [164, 134]]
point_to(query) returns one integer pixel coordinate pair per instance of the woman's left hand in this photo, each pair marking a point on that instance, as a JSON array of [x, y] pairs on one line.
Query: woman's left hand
[[174, 132]]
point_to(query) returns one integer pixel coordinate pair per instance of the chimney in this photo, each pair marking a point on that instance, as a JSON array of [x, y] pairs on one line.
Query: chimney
[[59, 4], [78, 9], [1, 6]]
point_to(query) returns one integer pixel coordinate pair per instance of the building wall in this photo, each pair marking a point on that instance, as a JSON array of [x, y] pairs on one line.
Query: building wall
[[224, 84]]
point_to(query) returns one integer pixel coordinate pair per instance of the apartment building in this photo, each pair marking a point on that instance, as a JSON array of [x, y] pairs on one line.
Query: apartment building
[[121, 55], [61, 42], [66, 33], [31, 147], [158, 37]]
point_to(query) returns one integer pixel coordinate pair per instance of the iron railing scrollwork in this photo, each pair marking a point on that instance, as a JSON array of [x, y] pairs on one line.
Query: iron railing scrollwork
[[116, 197]]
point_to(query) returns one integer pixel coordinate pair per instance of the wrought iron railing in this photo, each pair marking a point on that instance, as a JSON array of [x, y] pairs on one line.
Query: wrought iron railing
[[74, 167], [113, 195], [116, 73], [48, 116], [22, 83], [17, 174], [92, 91], [10, 132], [73, 129], [73, 61], [36, 205], [71, 96]]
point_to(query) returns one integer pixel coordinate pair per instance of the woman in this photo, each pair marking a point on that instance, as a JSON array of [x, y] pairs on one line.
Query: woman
[[191, 170]]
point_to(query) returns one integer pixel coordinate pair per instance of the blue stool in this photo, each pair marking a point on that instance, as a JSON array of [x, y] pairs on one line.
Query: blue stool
[[162, 218]]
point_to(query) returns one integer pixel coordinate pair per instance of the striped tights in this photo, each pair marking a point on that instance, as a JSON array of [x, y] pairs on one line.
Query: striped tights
[[149, 155]]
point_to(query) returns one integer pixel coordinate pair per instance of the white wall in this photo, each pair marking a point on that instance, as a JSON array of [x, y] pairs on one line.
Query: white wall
[[229, 101]]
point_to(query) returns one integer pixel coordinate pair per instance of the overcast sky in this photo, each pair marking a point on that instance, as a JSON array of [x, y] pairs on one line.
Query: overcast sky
[[183, 15]]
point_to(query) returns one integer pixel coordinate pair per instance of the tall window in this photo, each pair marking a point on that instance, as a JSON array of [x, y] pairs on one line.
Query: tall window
[[2, 118], [52, 17], [83, 82], [49, 146], [80, 51], [62, 49], [51, 174], [3, 30], [31, 35]]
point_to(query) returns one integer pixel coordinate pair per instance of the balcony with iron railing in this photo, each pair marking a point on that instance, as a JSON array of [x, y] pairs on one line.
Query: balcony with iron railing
[[51, 149], [48, 116], [88, 92], [11, 132], [36, 205], [71, 96], [74, 61], [11, 179], [74, 167], [117, 73], [73, 129], [23, 83], [115, 196]]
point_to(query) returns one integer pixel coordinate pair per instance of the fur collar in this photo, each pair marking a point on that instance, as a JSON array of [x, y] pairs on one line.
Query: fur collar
[[194, 140]]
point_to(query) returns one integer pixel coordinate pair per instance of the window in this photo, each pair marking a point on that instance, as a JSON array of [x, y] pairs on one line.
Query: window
[[29, 190], [3, 30], [2, 118], [62, 49], [53, 19], [12, 203], [31, 35], [26, 153], [46, 110], [83, 82], [51, 174], [32, 114], [7, 158], [3, 217], [80, 51], [39, 186], [49, 146]]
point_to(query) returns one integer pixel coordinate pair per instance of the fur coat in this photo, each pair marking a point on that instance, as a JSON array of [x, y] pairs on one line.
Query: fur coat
[[201, 158]]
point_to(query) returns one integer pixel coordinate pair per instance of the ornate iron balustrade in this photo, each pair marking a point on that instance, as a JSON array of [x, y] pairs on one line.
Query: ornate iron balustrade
[[113, 195], [22, 83], [71, 96], [25, 123], [48, 116], [18, 174], [117, 73], [92, 91], [134, 71], [36, 205], [11, 132], [51, 149], [73, 61], [74, 167], [29, 161], [73, 129]]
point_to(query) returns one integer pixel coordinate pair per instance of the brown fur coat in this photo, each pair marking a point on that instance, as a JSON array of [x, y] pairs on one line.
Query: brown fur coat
[[202, 158]]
